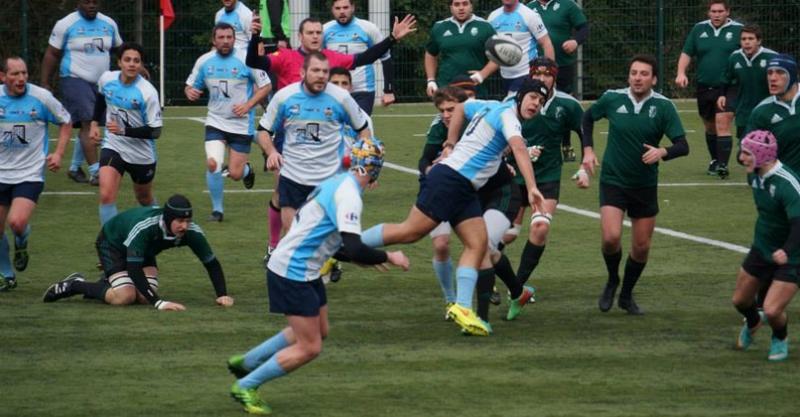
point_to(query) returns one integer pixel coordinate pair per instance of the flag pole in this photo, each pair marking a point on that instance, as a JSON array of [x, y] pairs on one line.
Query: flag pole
[[161, 59]]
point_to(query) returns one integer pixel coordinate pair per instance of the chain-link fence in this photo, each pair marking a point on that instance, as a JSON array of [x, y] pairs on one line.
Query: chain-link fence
[[619, 29]]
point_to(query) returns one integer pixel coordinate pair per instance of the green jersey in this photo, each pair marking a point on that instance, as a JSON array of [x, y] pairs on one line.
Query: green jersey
[[437, 132], [711, 47], [459, 47], [777, 198], [750, 75], [141, 232], [559, 115], [631, 126], [560, 17], [783, 120]]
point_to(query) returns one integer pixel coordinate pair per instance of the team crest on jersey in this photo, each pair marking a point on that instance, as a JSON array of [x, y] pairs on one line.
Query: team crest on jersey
[[772, 191], [763, 63], [328, 112], [755, 184], [556, 6], [355, 36], [33, 113], [210, 69], [234, 70], [294, 110], [652, 112], [81, 31], [559, 113], [2, 112], [728, 36], [473, 31], [518, 26], [135, 102]]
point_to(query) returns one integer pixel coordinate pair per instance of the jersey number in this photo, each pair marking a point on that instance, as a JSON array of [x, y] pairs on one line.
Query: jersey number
[[475, 120]]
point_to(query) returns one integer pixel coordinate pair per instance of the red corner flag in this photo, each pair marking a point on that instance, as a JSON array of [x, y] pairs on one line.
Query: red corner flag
[[168, 12]]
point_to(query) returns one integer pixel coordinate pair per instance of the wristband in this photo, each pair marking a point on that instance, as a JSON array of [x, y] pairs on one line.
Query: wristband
[[432, 85], [160, 304], [579, 173], [477, 77]]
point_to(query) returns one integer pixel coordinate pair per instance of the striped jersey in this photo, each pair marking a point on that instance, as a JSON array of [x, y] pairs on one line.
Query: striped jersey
[[332, 208], [85, 45], [229, 82], [354, 38], [23, 133], [240, 18], [478, 154], [130, 105], [524, 26], [777, 198], [313, 127]]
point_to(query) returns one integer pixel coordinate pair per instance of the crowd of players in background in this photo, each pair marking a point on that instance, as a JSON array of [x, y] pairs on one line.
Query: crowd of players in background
[[482, 163]]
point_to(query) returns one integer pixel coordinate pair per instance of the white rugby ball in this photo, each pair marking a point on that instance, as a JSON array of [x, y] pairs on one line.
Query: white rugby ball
[[503, 51]]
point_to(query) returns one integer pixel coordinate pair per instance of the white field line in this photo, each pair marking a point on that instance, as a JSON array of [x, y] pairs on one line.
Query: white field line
[[255, 191]]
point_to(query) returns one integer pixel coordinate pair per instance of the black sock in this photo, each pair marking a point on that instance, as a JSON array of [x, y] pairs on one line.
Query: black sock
[[612, 265], [530, 259], [93, 290], [724, 146], [750, 314], [633, 270], [506, 274], [711, 143], [780, 333], [762, 294], [484, 288]]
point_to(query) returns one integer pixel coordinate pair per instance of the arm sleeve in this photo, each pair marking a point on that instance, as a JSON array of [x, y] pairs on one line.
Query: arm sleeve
[[143, 132], [260, 78], [791, 202], [270, 118], [581, 33], [536, 26], [388, 75], [253, 59], [429, 153], [588, 129], [354, 250], [197, 78], [374, 52], [217, 277], [510, 124], [673, 128], [152, 109], [58, 114], [116, 41], [680, 147]]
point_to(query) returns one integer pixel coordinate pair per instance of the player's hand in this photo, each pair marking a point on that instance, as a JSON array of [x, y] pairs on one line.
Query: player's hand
[[681, 81], [169, 306], [240, 110], [404, 27], [283, 43], [274, 161], [388, 99], [780, 257], [113, 127], [581, 178], [432, 87], [721, 101], [225, 301], [652, 155], [570, 46], [535, 199], [534, 152], [255, 24], [476, 76], [398, 258], [94, 134], [446, 151], [589, 160], [54, 161], [192, 93]]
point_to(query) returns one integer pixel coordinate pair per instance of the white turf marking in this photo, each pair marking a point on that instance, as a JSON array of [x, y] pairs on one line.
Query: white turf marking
[[704, 184], [68, 193], [401, 168], [257, 191], [254, 191]]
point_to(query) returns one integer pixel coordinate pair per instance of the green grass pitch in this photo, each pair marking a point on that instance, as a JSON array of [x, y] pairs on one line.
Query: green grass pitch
[[389, 352]]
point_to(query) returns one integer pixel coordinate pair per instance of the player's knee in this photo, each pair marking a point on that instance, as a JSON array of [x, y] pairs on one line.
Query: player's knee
[[17, 225], [107, 195], [211, 164], [773, 312], [144, 198], [740, 301], [441, 249], [539, 232], [611, 244], [311, 350], [121, 295], [640, 250]]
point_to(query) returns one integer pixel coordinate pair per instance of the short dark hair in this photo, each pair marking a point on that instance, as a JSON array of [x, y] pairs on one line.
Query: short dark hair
[[315, 55], [308, 20], [126, 46], [449, 93], [222, 26], [752, 28], [352, 2], [341, 71], [450, 2], [4, 62], [724, 3], [647, 59]]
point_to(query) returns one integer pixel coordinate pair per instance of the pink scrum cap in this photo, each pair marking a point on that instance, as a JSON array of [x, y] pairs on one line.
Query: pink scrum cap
[[762, 145]]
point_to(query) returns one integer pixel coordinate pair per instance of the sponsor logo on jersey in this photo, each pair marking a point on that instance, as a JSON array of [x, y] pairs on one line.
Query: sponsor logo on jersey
[[754, 184], [33, 113], [518, 26], [294, 109], [473, 31], [447, 33], [737, 66], [776, 119], [2, 112], [351, 217], [80, 31], [622, 110], [210, 69], [704, 35], [234, 70], [556, 6], [652, 112], [355, 36]]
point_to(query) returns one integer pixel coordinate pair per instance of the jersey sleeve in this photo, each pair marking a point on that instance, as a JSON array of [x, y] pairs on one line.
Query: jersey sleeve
[[437, 133], [756, 121], [535, 25], [197, 76], [510, 125], [270, 119], [729, 75], [348, 210], [57, 114], [689, 47], [116, 40], [357, 118], [247, 21], [152, 108], [673, 128], [576, 15], [432, 47], [259, 77], [376, 37], [598, 108], [58, 35], [197, 242]]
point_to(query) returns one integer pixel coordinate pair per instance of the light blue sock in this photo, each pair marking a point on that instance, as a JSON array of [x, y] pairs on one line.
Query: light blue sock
[[466, 278], [107, 211], [215, 184], [444, 272], [259, 354], [22, 240], [5, 260], [94, 168], [267, 371], [246, 171], [77, 156], [373, 237]]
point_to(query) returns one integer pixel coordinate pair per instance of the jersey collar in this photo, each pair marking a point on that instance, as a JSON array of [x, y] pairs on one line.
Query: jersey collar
[[637, 106], [549, 101], [24, 93], [778, 165], [749, 61], [462, 26], [789, 107], [164, 231], [717, 31], [547, 4]]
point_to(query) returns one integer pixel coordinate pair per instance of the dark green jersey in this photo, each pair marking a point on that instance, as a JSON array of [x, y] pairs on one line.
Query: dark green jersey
[[711, 48], [141, 232], [559, 116], [437, 132], [631, 125], [560, 17], [783, 120], [459, 48], [750, 76], [777, 197]]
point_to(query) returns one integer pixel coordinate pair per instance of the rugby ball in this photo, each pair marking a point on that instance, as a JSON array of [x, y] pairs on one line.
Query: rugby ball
[[503, 51]]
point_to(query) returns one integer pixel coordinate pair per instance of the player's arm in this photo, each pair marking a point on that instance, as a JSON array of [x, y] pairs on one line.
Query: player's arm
[[683, 65], [525, 168], [150, 131], [547, 46], [673, 129], [454, 130], [488, 69], [400, 30], [259, 95], [431, 65], [429, 153], [197, 242], [253, 59], [50, 61]]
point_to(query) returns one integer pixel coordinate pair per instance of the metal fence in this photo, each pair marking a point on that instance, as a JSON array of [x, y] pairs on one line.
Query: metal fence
[[619, 29]]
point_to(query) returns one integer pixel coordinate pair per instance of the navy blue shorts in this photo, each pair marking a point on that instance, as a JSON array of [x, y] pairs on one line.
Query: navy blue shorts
[[237, 142], [295, 298], [292, 194], [511, 85], [140, 173], [78, 97], [28, 189], [365, 100], [446, 196]]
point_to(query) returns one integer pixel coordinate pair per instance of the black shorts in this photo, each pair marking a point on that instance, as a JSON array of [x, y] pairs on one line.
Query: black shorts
[[505, 199], [446, 196], [295, 298], [551, 190], [707, 101], [140, 173], [28, 189], [292, 194], [755, 265], [365, 100], [638, 202], [114, 260]]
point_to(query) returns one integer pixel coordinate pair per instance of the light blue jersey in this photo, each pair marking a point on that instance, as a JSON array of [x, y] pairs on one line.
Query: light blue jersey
[[240, 18], [478, 154], [85, 45], [333, 207], [525, 26], [354, 38], [130, 105], [229, 82], [23, 133], [313, 126]]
